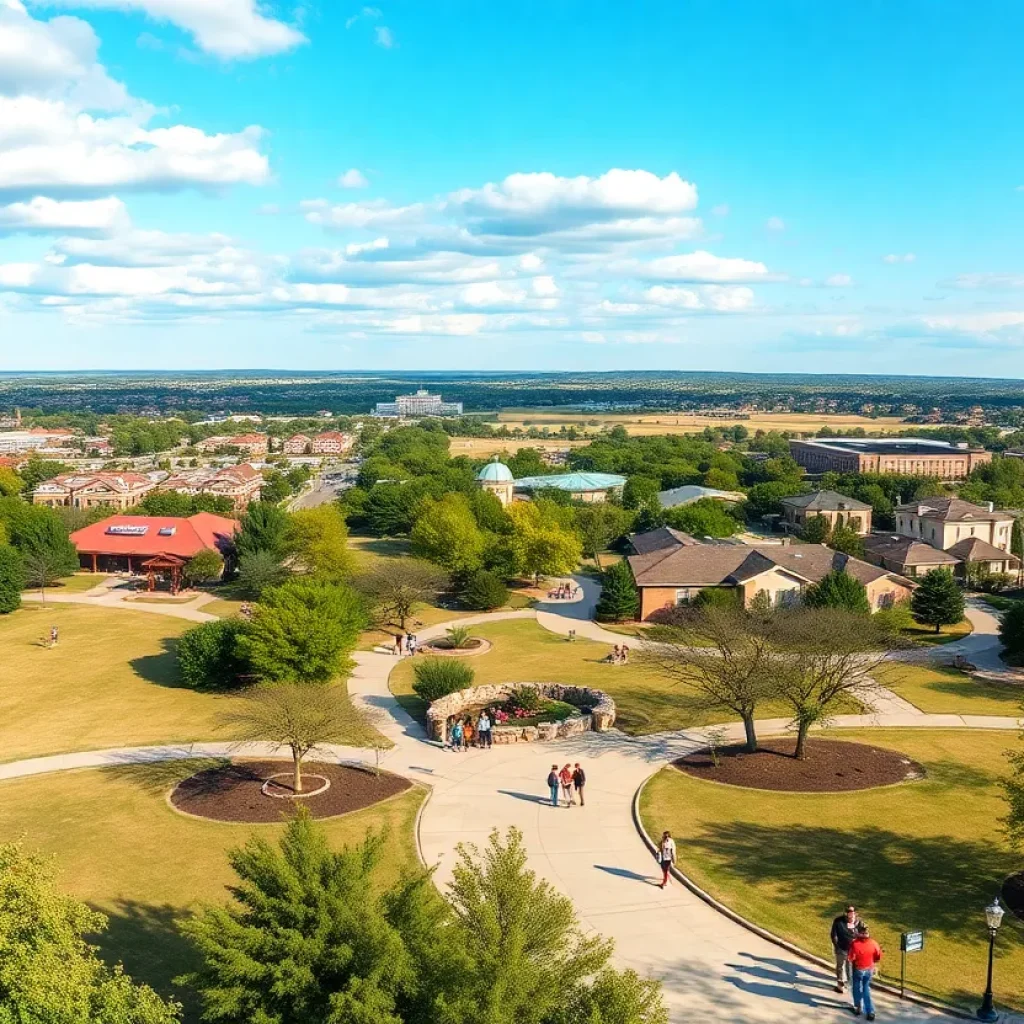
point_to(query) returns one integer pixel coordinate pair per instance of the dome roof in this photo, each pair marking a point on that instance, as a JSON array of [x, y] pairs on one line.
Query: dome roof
[[495, 472]]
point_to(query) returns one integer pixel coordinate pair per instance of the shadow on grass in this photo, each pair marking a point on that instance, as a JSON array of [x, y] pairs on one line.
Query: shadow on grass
[[161, 668], [1013, 696], [160, 777], [956, 773], [938, 882]]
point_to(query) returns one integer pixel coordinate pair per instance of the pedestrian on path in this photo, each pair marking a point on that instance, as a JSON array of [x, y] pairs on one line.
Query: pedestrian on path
[[579, 780], [864, 954], [553, 784], [666, 856], [565, 776], [398, 645], [457, 735], [844, 931], [483, 729], [410, 643], [467, 733], [54, 636]]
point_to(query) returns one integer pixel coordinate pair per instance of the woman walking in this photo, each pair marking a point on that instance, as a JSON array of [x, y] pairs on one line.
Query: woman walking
[[666, 856], [565, 777]]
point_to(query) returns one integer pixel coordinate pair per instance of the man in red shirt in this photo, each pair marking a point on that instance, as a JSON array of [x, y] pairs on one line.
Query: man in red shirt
[[864, 954]]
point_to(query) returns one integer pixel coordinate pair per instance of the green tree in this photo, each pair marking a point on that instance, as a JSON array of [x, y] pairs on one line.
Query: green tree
[[484, 591], [303, 631], [541, 543], [639, 490], [847, 541], [317, 539], [437, 677], [260, 571], [10, 483], [263, 527], [274, 489], [1011, 629], [766, 498], [816, 530], [42, 568], [619, 599], [938, 600], [208, 657], [204, 566], [38, 470], [838, 589], [1017, 545], [307, 937], [446, 532], [48, 971], [1013, 787], [35, 530], [703, 518], [599, 524], [394, 587], [12, 579]]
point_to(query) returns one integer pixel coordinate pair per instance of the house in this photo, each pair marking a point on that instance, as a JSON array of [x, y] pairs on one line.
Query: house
[[838, 509], [671, 569], [690, 493], [331, 442], [912, 455], [155, 545], [297, 444], [241, 483], [88, 490], [251, 444], [906, 556]]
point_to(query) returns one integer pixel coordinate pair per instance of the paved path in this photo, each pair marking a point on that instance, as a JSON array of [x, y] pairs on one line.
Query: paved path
[[114, 593]]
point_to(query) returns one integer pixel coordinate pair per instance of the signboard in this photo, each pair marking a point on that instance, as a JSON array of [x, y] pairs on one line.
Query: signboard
[[127, 531], [912, 942]]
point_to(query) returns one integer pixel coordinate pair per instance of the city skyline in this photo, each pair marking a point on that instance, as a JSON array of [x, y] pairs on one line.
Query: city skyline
[[735, 187]]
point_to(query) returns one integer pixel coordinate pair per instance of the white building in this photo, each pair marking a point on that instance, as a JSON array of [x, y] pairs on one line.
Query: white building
[[422, 403]]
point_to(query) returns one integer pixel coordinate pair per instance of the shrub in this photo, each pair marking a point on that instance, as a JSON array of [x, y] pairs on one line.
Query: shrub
[[457, 637], [208, 656], [12, 579], [619, 599], [204, 566], [1011, 629], [524, 698], [838, 589], [484, 591], [896, 618], [437, 677], [719, 597]]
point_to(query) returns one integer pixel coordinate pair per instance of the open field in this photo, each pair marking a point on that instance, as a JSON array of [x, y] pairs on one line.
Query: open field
[[925, 854], [120, 847], [111, 681], [685, 423]]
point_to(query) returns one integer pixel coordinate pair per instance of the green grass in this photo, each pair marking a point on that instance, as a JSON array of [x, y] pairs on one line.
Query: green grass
[[121, 848], [941, 690], [111, 681], [946, 635], [77, 584], [523, 651], [925, 855], [222, 608]]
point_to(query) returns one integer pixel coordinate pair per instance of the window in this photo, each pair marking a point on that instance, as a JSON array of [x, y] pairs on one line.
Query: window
[[683, 595]]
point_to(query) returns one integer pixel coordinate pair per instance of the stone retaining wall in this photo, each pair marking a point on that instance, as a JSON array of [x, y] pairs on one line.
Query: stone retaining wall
[[600, 717]]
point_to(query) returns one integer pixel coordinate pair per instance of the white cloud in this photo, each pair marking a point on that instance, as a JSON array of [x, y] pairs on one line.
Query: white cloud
[[491, 293], [838, 281], [894, 257], [544, 286], [48, 216], [996, 282], [384, 37], [380, 264], [722, 299], [373, 213], [701, 266], [775, 224], [353, 178], [530, 261], [231, 29]]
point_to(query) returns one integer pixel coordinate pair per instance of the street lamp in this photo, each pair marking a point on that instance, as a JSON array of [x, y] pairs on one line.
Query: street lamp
[[993, 918]]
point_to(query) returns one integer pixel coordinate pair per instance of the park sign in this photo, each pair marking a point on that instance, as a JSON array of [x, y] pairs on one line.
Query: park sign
[[912, 942]]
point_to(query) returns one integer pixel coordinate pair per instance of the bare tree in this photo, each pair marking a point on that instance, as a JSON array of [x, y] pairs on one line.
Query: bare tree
[[829, 657], [42, 569], [396, 586], [726, 658], [299, 716]]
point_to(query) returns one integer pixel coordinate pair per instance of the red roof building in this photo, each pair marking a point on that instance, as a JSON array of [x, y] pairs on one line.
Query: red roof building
[[125, 543]]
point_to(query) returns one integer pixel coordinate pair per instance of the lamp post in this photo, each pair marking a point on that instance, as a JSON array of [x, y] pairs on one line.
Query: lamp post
[[993, 918]]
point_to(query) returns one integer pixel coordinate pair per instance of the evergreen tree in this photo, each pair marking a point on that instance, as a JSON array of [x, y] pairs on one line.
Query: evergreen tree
[[1011, 629], [484, 591], [838, 589], [207, 655], [816, 530], [264, 527], [938, 600], [12, 579], [619, 599], [1017, 545], [260, 571]]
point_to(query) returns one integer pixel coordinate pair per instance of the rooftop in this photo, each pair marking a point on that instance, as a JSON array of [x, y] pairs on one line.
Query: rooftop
[[906, 550], [889, 445], [826, 501], [495, 472], [575, 482], [953, 510], [689, 493], [156, 535]]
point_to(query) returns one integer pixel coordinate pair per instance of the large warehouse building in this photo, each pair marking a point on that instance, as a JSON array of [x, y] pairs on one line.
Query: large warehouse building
[[911, 455]]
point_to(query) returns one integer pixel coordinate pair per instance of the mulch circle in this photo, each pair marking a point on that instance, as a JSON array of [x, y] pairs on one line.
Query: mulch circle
[[1013, 894], [233, 791], [830, 766]]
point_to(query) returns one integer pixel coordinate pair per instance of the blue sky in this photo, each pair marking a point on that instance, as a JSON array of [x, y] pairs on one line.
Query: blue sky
[[711, 184]]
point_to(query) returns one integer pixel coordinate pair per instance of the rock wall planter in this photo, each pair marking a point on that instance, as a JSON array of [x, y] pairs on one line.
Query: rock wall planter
[[598, 716], [433, 648]]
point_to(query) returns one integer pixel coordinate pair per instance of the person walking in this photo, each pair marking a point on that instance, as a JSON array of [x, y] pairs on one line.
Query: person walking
[[457, 735], [398, 645], [565, 777], [579, 780], [410, 644], [666, 856], [483, 729], [54, 635], [864, 954], [844, 931], [553, 783]]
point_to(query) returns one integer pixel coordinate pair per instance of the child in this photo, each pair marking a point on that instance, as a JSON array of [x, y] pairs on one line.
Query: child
[[457, 735]]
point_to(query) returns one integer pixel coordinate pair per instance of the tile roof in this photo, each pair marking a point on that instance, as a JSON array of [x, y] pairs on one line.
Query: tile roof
[[907, 550], [826, 501], [974, 549], [665, 537], [952, 510], [189, 536]]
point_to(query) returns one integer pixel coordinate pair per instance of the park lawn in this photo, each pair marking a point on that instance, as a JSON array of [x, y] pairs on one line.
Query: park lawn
[[111, 681], [946, 635], [924, 855], [523, 651], [77, 584], [944, 690], [120, 847]]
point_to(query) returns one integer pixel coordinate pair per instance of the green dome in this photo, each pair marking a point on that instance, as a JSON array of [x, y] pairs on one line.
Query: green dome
[[495, 472]]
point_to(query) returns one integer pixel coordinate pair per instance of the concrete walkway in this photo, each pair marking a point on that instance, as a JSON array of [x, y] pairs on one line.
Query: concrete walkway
[[114, 593]]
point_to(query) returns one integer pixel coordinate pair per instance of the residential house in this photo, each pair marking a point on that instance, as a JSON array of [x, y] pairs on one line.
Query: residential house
[[250, 444], [838, 509], [331, 442], [89, 490], [297, 444], [241, 483]]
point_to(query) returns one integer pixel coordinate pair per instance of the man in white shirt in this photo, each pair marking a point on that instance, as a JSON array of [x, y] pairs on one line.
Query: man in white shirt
[[483, 730], [666, 856]]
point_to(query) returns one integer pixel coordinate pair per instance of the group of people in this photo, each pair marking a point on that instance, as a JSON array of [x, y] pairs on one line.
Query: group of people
[[410, 642], [856, 955], [463, 733], [567, 784], [564, 592], [619, 655]]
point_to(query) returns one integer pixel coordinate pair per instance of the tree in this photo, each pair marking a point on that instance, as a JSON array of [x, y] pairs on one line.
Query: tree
[[303, 631], [639, 491], [816, 530], [1017, 545], [541, 544], [260, 571], [838, 589], [317, 539], [35, 530], [208, 657], [48, 972], [484, 591], [306, 938], [599, 524], [437, 677], [204, 566], [938, 600], [766, 498], [274, 488], [12, 579], [619, 599], [827, 657], [263, 527], [42, 568], [1011, 629], [703, 518], [10, 483], [396, 586], [846, 540], [725, 659], [446, 532], [1013, 787], [299, 717]]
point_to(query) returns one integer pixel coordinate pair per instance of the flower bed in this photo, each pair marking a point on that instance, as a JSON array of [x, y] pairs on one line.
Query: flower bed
[[443, 648]]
